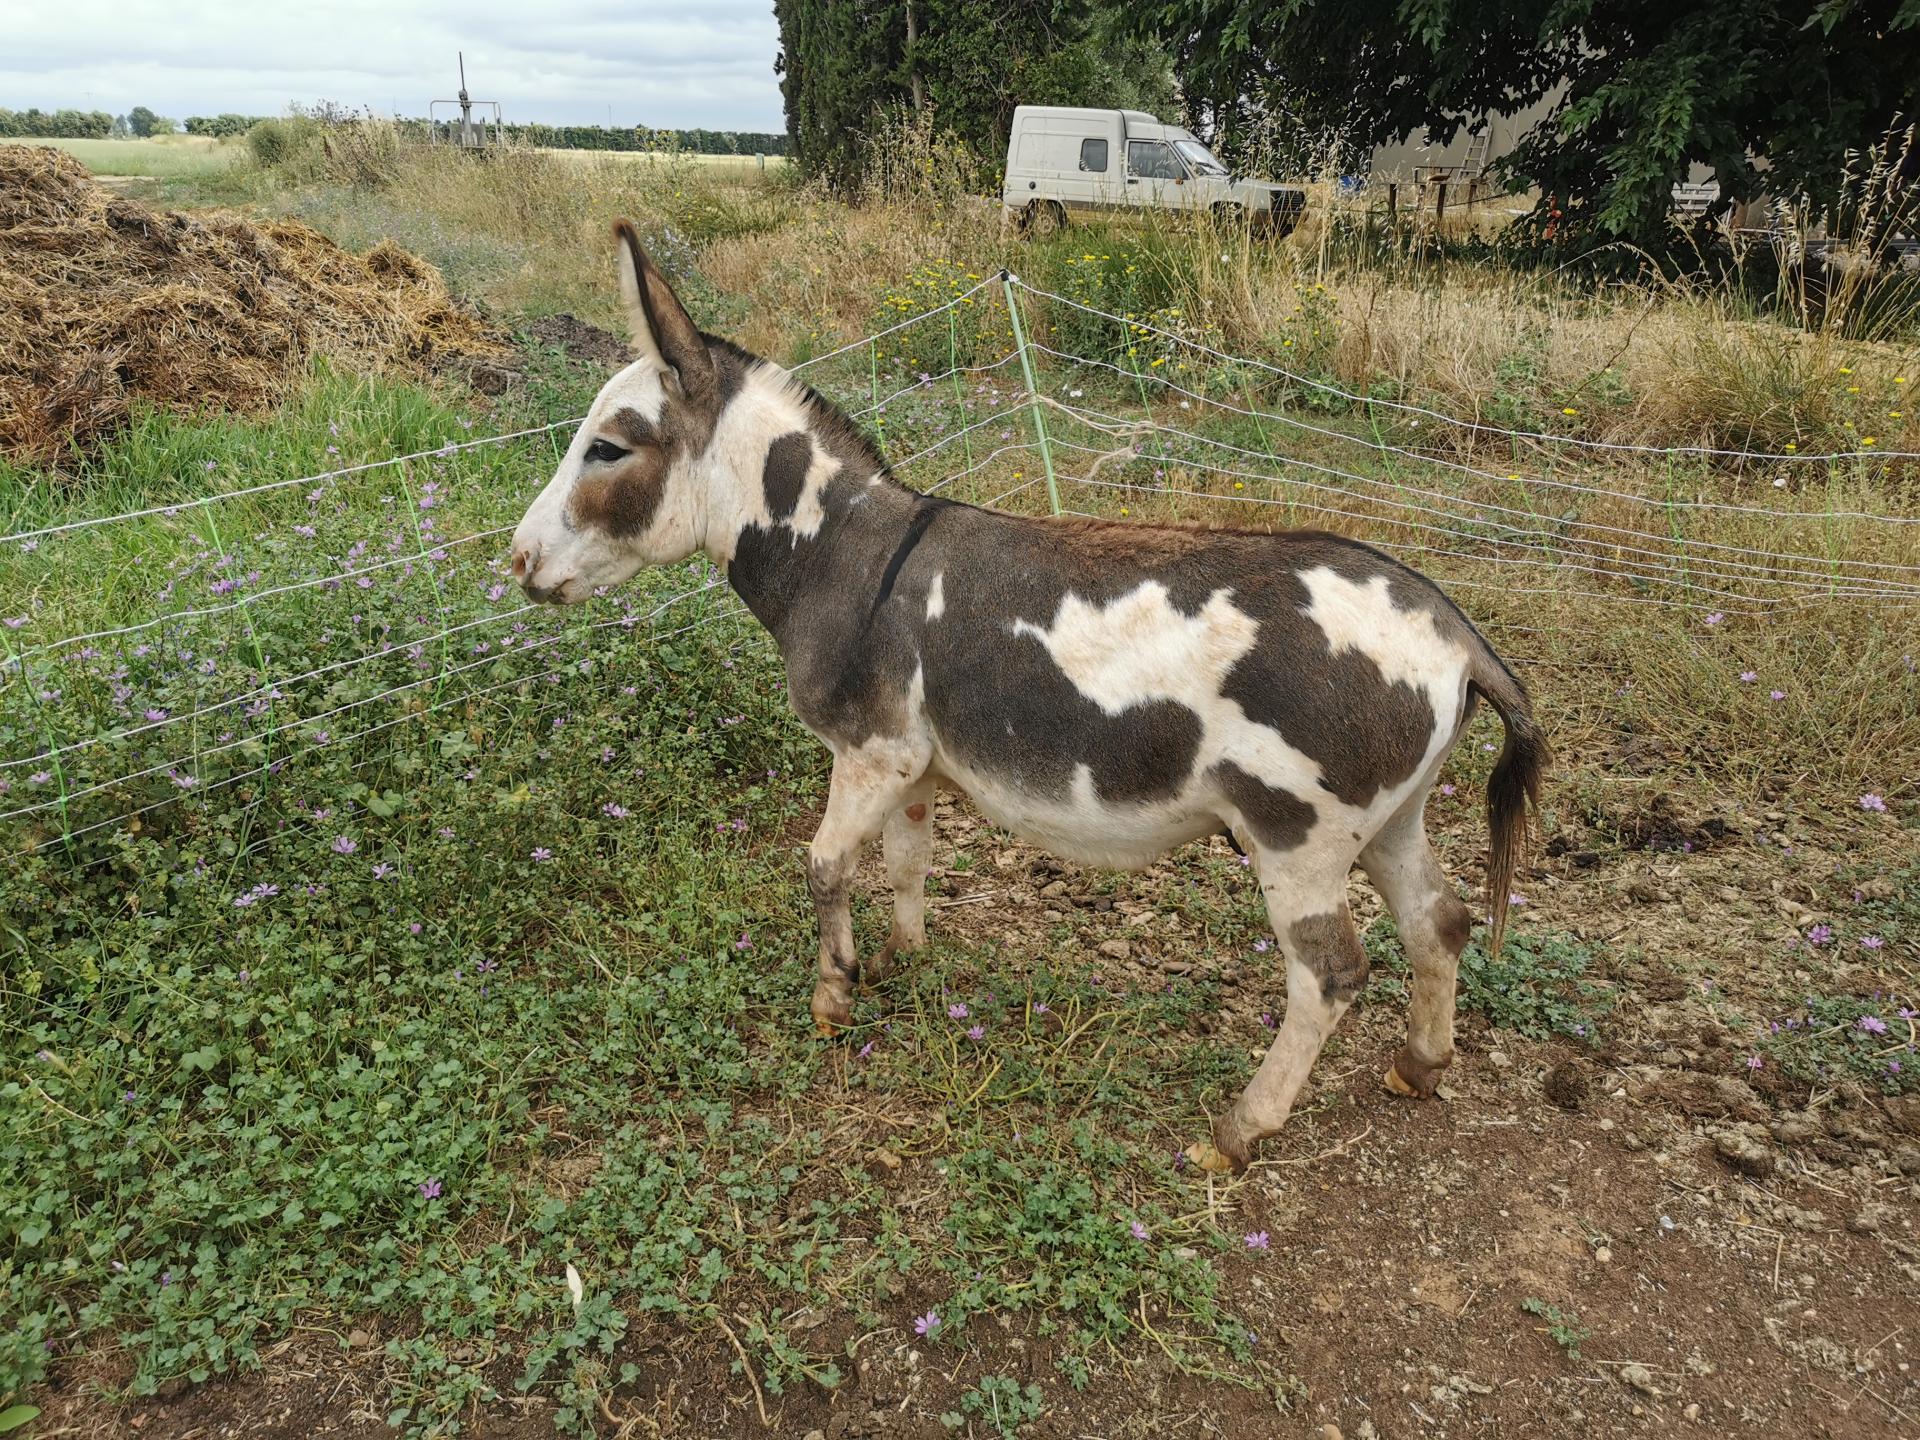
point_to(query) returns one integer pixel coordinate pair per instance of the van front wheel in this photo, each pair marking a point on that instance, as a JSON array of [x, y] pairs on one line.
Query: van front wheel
[[1043, 219]]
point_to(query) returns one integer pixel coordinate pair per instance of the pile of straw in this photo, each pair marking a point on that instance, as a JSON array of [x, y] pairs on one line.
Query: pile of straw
[[105, 305]]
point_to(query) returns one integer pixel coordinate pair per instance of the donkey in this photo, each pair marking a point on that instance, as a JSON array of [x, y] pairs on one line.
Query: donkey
[[1106, 690]]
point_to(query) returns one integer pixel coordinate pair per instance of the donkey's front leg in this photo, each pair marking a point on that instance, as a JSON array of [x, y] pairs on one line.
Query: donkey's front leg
[[868, 783], [908, 838]]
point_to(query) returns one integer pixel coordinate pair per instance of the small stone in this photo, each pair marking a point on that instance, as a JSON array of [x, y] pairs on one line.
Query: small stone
[[1052, 917], [359, 1339], [1906, 1159], [1177, 967], [1055, 890], [1603, 1254], [1692, 1412], [1327, 1432], [1871, 1219], [1744, 1153], [885, 1157], [1115, 949], [1797, 1128], [1499, 1059], [1640, 1378], [1606, 1124], [816, 1435]]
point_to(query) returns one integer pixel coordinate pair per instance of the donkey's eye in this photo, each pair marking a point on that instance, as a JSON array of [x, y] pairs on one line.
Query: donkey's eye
[[605, 452]]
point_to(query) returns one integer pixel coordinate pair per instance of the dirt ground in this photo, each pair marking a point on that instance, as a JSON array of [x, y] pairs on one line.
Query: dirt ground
[[1742, 1255]]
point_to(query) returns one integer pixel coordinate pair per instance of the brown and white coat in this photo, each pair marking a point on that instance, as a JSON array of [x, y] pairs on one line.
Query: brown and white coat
[[1108, 691]]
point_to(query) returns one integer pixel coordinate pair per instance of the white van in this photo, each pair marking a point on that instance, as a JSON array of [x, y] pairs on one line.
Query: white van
[[1062, 161]]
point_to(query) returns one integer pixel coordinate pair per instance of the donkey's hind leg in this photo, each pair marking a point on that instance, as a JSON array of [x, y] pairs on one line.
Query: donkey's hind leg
[[1434, 923], [908, 838], [1326, 968]]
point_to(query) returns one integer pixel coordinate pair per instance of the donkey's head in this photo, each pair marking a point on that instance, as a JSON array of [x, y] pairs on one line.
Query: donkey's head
[[630, 491]]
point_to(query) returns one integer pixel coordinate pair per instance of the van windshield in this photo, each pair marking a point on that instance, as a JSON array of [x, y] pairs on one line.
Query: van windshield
[[1199, 157]]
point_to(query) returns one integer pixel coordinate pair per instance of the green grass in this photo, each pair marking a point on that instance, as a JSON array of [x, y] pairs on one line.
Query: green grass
[[166, 157]]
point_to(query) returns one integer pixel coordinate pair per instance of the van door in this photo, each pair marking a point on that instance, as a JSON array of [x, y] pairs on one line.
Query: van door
[[1156, 178]]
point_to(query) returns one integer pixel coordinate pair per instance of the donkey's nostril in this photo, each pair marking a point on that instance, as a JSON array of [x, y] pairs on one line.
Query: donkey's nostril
[[522, 564]]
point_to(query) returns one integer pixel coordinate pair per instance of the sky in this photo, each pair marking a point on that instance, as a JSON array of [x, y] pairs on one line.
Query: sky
[[667, 63]]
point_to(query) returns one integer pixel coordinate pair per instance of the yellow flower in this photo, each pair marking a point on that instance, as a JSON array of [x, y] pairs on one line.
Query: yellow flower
[[1868, 440], [1568, 410], [1895, 415], [1791, 447], [1123, 512], [1846, 370]]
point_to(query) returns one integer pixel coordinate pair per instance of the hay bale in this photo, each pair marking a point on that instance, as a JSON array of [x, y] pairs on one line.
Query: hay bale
[[105, 304]]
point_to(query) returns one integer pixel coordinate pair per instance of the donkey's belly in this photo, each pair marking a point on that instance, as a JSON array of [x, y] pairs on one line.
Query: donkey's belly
[[1079, 825]]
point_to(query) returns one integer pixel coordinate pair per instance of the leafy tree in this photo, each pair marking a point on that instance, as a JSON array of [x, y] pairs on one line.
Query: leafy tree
[[1774, 95], [143, 122], [844, 63]]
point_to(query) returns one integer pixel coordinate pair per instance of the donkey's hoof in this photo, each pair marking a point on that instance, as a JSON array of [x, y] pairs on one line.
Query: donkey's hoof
[[830, 1017], [879, 969], [1203, 1156], [1413, 1077]]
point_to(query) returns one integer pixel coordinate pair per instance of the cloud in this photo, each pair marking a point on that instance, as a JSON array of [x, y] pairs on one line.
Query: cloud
[[654, 62]]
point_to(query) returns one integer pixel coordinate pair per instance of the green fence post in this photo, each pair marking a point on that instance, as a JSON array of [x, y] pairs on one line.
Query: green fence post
[[1008, 280]]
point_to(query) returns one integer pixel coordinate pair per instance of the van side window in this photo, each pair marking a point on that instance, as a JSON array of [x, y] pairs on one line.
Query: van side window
[[1153, 160], [1093, 156]]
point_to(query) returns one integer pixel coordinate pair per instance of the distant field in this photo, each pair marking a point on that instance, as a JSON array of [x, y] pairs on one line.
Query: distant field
[[163, 157], [772, 160]]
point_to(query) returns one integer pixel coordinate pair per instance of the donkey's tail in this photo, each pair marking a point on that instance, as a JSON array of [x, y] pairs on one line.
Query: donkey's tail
[[1514, 784]]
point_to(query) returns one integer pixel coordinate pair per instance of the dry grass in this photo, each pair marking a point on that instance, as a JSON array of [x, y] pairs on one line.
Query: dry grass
[[105, 304]]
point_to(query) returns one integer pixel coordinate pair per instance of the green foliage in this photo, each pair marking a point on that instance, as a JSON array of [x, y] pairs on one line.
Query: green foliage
[[1537, 987], [1000, 1403], [1810, 85], [143, 122], [1563, 1325], [33, 124], [846, 63], [222, 125], [1869, 1038], [975, 332]]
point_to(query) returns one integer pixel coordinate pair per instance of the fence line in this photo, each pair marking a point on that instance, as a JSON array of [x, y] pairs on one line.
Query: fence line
[[1570, 546], [1535, 436], [1662, 560], [1427, 459]]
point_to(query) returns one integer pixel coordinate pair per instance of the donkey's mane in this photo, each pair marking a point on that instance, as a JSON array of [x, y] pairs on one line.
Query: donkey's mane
[[828, 423]]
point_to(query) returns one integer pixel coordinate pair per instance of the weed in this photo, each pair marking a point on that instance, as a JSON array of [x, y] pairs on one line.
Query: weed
[[1000, 1404], [1564, 1326]]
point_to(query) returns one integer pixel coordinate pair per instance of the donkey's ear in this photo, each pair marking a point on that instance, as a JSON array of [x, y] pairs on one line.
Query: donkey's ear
[[662, 330]]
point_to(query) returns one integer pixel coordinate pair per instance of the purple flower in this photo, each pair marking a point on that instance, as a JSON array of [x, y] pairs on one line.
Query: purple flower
[[541, 854], [342, 845], [927, 1323], [1258, 1240], [1747, 677], [1819, 934], [430, 1189], [1754, 1062], [1446, 789], [1776, 694], [977, 1032], [865, 1050], [1139, 1231], [1261, 947], [1039, 1007], [1871, 942], [956, 1012], [1873, 803], [1715, 618], [382, 870], [745, 942], [1873, 1025]]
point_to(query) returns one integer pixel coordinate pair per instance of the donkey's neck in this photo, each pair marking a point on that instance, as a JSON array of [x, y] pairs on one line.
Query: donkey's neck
[[808, 514]]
